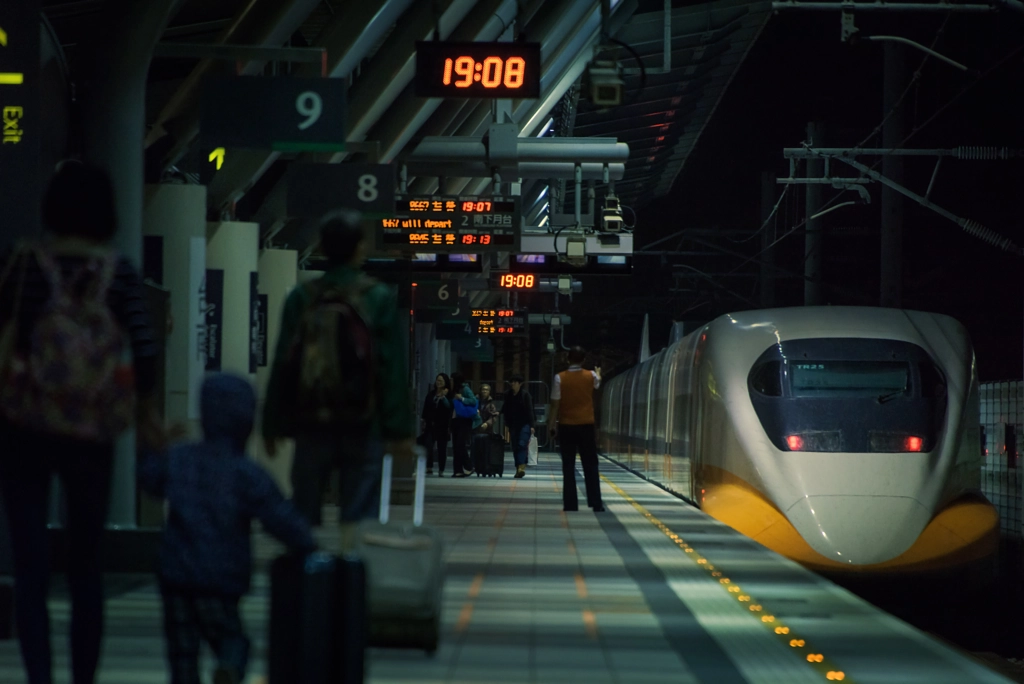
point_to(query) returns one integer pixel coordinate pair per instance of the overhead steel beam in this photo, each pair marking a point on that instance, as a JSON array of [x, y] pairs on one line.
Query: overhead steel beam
[[238, 52], [261, 23], [356, 30], [383, 80], [400, 123], [888, 6], [565, 69]]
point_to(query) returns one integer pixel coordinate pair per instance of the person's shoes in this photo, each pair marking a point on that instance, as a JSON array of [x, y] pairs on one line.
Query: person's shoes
[[520, 471], [223, 675], [469, 472], [570, 509], [430, 471], [599, 509], [440, 473], [460, 474]]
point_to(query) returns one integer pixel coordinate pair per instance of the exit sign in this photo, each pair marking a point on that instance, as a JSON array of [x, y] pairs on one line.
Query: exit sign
[[20, 170]]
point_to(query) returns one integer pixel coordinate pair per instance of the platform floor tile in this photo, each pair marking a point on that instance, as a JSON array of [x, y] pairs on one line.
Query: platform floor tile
[[537, 595]]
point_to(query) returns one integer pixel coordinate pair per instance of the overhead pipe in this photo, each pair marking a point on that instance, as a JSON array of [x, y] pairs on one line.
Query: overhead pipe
[[467, 171], [601, 150]]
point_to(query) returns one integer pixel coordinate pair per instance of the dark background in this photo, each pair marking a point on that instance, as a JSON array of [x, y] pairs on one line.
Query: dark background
[[798, 71]]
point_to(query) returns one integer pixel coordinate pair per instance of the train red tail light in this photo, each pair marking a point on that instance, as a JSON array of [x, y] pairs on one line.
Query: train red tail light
[[895, 443], [795, 442]]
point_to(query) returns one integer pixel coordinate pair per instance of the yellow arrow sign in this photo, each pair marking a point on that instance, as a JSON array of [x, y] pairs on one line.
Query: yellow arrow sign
[[3, 38], [218, 154]]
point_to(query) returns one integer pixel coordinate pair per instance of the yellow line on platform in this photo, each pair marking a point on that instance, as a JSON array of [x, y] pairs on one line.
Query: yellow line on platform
[[817, 660]]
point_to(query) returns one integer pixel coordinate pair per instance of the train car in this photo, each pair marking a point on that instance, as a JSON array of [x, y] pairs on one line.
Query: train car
[[845, 438]]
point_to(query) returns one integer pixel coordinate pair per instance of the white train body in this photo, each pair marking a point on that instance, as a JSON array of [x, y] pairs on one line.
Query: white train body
[[842, 437]]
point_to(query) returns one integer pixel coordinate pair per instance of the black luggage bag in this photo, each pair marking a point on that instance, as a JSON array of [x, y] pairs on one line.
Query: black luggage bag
[[488, 455], [318, 620]]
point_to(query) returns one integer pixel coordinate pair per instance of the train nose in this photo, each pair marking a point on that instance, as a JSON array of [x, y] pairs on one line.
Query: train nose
[[859, 530]]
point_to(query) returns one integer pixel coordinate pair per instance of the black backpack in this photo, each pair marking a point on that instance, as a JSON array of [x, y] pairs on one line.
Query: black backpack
[[332, 361]]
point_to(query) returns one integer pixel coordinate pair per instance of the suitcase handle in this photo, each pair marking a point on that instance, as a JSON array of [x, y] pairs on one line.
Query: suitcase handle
[[421, 482]]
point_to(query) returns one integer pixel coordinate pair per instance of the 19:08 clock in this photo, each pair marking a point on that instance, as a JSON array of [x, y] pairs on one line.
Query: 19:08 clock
[[500, 70]]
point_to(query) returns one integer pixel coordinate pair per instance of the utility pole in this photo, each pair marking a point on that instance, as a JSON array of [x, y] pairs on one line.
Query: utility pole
[[813, 294], [768, 189], [893, 132]]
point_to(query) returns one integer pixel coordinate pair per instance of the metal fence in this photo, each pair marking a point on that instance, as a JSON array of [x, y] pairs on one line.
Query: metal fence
[[1002, 420]]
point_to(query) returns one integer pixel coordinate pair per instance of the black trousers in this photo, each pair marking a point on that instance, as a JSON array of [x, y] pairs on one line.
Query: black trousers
[[582, 439], [27, 462], [462, 435], [357, 458], [437, 450], [189, 619]]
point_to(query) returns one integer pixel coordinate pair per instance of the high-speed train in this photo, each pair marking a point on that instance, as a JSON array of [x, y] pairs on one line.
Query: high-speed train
[[845, 438]]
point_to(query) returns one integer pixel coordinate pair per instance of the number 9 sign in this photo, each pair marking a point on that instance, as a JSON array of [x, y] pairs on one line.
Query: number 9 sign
[[310, 105]]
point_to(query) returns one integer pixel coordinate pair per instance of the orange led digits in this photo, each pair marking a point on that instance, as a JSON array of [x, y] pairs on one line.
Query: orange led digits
[[515, 68], [464, 68]]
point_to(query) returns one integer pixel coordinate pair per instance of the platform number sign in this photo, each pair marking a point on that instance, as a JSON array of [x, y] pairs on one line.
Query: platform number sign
[[442, 294], [276, 113], [315, 189]]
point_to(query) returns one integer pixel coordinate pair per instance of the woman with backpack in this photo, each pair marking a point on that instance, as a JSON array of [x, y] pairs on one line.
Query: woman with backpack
[[437, 417], [66, 392], [465, 419]]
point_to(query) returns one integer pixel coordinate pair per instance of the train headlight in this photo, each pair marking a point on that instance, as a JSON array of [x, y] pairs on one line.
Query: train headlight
[[818, 440], [895, 442]]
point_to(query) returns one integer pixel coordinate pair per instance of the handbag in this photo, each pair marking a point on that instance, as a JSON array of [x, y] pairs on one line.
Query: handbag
[[531, 450]]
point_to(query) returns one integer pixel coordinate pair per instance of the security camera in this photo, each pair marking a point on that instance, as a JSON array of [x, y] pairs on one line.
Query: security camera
[[605, 83], [611, 215]]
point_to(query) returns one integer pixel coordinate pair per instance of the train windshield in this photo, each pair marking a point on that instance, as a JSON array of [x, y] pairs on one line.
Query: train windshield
[[849, 378]]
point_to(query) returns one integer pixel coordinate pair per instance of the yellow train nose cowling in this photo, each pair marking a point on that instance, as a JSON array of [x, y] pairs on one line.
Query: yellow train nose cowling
[[859, 530]]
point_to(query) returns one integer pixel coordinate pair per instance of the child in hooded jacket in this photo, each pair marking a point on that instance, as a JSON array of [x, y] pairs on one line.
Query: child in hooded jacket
[[214, 490]]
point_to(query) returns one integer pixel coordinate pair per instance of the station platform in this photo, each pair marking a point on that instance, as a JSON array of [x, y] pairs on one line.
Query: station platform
[[651, 590]]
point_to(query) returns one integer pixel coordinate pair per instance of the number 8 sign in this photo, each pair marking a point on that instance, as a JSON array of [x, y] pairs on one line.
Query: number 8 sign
[[315, 189]]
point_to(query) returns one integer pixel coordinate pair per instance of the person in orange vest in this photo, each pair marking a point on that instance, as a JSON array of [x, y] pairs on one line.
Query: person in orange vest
[[572, 411]]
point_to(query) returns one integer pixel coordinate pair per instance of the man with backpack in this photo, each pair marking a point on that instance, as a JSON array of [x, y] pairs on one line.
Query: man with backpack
[[337, 384]]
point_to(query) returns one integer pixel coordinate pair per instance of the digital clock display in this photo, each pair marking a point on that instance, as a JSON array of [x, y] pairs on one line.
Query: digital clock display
[[502, 70], [517, 281], [442, 223]]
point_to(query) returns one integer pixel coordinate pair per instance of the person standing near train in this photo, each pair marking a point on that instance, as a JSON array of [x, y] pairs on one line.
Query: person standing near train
[[572, 411]]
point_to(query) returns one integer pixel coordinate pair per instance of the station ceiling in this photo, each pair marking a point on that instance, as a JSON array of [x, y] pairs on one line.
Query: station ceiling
[[371, 44]]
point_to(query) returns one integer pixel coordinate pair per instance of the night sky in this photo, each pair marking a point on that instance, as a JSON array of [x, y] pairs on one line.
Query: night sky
[[798, 71]]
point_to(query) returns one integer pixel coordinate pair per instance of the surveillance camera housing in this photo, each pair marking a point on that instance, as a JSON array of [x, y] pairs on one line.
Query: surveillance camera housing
[[605, 84]]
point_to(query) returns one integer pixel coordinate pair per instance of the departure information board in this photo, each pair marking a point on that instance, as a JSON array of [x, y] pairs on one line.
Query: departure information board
[[500, 322], [450, 224]]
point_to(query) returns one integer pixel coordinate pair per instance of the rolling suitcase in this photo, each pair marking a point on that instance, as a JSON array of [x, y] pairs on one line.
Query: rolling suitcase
[[404, 571], [488, 455], [495, 450], [317, 620]]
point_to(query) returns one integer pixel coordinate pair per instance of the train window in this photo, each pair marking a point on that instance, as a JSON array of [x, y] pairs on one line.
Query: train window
[[880, 379], [766, 379], [933, 384]]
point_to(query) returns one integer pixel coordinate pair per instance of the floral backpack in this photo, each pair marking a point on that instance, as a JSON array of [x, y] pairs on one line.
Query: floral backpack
[[77, 378]]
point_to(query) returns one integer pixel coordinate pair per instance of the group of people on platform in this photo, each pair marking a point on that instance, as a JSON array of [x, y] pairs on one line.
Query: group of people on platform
[[452, 412], [73, 310]]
